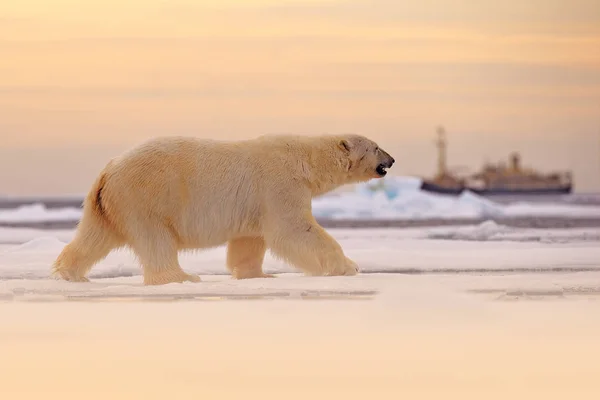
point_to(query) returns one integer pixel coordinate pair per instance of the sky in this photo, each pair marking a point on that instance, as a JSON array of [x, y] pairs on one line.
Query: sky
[[81, 82]]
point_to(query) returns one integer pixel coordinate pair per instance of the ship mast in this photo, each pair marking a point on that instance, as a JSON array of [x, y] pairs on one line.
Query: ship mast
[[441, 146]]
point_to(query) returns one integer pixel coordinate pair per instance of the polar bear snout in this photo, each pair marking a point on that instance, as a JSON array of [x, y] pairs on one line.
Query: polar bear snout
[[386, 162], [381, 170]]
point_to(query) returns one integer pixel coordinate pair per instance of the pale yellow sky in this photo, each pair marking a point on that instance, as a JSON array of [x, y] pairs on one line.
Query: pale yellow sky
[[82, 81]]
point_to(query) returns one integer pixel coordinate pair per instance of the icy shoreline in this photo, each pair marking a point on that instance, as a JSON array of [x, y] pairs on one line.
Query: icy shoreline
[[390, 202]]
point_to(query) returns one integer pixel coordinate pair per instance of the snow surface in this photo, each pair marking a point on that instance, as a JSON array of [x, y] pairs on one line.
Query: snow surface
[[39, 213], [498, 302], [526, 336], [487, 248], [388, 198]]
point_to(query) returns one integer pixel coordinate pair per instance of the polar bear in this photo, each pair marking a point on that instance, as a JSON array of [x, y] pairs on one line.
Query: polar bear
[[178, 193]]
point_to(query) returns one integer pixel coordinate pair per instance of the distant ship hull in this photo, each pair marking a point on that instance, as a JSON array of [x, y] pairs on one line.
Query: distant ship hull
[[434, 188], [566, 189], [440, 189]]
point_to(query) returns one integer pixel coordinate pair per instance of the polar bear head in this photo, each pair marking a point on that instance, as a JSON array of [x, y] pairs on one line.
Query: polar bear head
[[365, 159]]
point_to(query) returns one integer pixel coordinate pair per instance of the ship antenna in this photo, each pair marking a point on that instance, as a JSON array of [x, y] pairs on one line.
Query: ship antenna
[[441, 146]]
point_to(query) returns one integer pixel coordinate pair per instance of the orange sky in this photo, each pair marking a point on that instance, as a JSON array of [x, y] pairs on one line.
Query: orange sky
[[82, 81]]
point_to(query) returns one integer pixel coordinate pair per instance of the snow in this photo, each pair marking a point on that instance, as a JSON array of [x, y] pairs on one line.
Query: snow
[[420, 337], [487, 248], [491, 231], [39, 213], [489, 258], [388, 198], [498, 302]]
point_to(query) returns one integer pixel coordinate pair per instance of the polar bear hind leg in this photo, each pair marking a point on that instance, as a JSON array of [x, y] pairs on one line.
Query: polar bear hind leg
[[245, 256], [157, 251], [92, 242]]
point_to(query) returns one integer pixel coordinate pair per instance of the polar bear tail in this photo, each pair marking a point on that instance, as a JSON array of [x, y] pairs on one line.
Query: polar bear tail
[[94, 198]]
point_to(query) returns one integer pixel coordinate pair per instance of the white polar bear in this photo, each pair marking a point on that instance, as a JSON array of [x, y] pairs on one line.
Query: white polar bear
[[174, 193]]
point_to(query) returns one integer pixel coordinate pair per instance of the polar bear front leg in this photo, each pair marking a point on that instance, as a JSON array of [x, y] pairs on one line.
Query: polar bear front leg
[[292, 233], [245, 256], [309, 247]]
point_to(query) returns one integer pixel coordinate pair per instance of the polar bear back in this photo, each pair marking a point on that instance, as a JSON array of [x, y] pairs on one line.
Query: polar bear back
[[205, 189]]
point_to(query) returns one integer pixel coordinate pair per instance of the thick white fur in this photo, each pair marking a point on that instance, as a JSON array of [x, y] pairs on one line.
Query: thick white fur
[[171, 194]]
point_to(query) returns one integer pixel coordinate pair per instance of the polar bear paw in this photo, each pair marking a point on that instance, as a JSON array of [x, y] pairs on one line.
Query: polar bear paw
[[347, 268], [68, 275], [170, 277], [249, 274], [351, 267]]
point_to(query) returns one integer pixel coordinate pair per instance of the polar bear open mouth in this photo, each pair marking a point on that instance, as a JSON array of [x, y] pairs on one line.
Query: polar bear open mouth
[[381, 170]]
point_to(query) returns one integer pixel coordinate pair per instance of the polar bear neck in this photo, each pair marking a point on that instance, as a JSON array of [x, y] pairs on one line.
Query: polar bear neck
[[326, 165], [316, 160]]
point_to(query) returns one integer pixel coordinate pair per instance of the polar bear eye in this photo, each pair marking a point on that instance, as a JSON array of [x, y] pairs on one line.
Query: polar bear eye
[[376, 149]]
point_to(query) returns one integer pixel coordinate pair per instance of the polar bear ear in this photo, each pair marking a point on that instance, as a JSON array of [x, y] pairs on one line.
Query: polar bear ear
[[344, 145]]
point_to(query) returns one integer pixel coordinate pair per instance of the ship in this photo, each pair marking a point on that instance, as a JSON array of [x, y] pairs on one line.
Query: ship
[[495, 179]]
